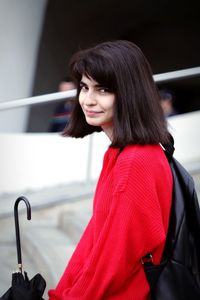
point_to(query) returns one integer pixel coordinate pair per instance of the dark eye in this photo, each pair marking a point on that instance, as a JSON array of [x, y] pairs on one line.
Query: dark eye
[[83, 87], [104, 90]]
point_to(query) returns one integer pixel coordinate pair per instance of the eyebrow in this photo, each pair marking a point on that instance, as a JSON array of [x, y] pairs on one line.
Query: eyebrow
[[95, 85]]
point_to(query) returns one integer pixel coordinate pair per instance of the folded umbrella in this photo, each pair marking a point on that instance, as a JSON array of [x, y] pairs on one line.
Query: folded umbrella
[[22, 288]]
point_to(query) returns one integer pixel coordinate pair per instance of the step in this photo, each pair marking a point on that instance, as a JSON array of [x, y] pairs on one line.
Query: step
[[50, 249], [47, 241], [47, 197], [74, 220]]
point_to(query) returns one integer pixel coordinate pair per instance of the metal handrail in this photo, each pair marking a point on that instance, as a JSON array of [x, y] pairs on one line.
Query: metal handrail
[[168, 76], [174, 75], [37, 100]]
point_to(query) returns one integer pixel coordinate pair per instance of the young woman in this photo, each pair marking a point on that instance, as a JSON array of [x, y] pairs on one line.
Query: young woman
[[116, 93]]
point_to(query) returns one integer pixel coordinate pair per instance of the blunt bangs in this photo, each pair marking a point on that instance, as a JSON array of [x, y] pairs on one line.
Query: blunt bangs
[[94, 65]]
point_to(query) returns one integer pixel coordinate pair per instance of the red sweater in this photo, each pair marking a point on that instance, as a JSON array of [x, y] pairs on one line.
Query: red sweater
[[130, 219]]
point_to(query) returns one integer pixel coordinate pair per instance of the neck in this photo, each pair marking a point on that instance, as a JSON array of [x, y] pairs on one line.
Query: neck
[[108, 131]]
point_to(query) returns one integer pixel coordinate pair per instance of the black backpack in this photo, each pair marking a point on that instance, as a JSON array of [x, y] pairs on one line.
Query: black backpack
[[177, 277]]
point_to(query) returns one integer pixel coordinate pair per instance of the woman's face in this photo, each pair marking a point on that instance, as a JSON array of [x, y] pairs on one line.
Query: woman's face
[[97, 103]]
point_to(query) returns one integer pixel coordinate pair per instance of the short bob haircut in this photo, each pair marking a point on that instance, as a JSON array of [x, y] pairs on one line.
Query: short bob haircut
[[121, 67]]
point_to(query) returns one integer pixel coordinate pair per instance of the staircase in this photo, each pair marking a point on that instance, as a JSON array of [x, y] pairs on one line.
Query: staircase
[[59, 218], [51, 238]]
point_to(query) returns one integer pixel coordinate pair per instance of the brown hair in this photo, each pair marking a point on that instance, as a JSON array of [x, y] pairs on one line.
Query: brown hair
[[123, 69]]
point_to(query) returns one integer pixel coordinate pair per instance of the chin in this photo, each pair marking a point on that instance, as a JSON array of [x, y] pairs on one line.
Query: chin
[[93, 123]]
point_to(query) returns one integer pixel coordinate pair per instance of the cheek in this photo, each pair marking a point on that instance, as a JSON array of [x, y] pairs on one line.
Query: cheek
[[80, 99], [111, 105]]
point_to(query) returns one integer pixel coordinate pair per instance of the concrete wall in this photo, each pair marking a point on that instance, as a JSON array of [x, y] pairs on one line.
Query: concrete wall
[[20, 26], [34, 161], [185, 130]]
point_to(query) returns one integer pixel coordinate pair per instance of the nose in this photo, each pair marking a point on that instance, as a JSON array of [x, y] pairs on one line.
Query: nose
[[89, 98]]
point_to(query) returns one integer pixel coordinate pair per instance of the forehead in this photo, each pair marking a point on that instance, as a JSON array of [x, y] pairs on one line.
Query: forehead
[[88, 80]]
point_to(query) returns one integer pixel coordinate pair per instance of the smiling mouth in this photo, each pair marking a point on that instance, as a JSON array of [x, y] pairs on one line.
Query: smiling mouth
[[90, 112]]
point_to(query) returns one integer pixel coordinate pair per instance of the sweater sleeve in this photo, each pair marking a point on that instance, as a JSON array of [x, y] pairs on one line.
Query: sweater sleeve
[[133, 227]]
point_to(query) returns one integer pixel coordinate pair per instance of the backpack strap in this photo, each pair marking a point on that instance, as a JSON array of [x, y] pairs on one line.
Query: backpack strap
[[169, 151], [169, 148]]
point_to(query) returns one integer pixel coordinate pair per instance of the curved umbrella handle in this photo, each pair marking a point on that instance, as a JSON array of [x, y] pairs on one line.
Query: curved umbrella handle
[[18, 242]]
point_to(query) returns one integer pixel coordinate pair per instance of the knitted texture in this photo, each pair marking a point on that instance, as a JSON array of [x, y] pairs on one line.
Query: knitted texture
[[130, 219]]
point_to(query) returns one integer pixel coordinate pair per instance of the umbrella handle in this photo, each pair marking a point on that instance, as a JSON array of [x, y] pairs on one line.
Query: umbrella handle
[[18, 242]]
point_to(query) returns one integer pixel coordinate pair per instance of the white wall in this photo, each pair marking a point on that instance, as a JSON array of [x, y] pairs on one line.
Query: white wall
[[33, 161], [20, 27], [185, 130]]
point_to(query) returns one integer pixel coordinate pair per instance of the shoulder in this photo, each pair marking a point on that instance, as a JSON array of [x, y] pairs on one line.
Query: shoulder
[[149, 155], [141, 162]]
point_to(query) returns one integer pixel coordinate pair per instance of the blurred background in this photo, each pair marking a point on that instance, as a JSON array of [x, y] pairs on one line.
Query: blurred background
[[58, 175]]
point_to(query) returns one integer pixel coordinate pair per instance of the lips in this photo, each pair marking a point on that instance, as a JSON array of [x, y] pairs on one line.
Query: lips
[[92, 113]]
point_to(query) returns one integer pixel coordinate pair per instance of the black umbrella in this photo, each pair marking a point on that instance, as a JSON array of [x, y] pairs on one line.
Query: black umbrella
[[22, 288]]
